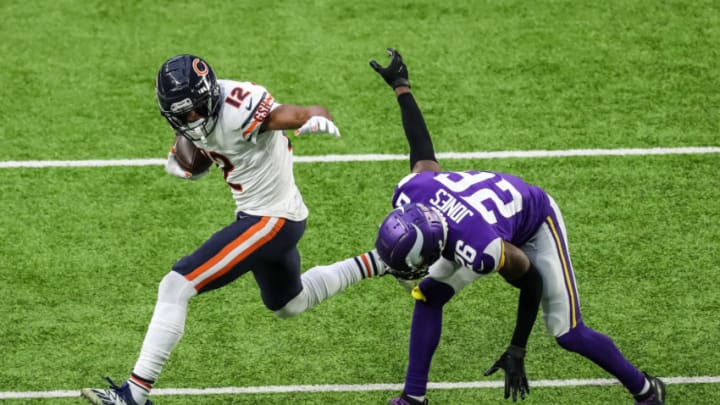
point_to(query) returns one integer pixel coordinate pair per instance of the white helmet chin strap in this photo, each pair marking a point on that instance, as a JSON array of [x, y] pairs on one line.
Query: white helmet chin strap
[[413, 258]]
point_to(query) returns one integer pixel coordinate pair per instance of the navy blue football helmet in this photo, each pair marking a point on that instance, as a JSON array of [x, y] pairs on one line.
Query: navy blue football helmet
[[410, 239], [187, 83]]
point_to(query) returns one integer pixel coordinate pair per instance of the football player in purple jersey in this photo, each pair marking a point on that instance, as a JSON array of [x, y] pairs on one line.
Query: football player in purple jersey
[[451, 228]]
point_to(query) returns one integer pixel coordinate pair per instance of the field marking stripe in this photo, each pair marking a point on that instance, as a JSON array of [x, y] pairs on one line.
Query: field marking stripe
[[274, 389], [386, 157]]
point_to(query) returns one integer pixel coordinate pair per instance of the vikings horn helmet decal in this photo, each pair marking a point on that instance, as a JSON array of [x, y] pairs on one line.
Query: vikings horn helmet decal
[[410, 239]]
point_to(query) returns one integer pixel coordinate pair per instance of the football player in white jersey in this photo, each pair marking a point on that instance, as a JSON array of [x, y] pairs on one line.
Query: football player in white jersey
[[240, 126]]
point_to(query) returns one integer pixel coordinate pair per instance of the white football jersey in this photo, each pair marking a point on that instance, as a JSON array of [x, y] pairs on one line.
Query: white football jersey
[[257, 165]]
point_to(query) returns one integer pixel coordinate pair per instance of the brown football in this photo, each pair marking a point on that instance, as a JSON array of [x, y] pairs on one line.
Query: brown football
[[190, 157]]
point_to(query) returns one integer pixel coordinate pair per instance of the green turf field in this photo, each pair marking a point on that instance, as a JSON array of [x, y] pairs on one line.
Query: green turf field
[[83, 249]]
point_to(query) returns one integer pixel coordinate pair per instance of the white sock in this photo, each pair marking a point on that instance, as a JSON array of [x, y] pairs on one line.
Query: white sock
[[322, 282], [164, 332]]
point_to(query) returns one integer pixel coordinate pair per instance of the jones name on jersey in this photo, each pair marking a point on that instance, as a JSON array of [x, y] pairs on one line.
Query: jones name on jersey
[[481, 209]]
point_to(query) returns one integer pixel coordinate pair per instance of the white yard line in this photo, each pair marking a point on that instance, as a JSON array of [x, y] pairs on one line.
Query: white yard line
[[363, 158], [274, 389], [382, 157]]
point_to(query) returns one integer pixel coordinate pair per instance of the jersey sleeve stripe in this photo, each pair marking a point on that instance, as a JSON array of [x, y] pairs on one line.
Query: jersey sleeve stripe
[[250, 129], [502, 256], [252, 114], [265, 101]]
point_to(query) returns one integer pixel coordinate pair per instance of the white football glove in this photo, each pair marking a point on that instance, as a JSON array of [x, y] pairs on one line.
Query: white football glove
[[172, 167], [318, 125]]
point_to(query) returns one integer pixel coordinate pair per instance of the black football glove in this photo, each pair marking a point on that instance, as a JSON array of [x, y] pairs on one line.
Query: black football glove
[[396, 73], [512, 362]]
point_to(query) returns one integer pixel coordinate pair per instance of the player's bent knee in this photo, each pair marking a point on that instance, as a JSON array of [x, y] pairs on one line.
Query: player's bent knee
[[294, 307], [288, 311], [175, 288], [556, 325], [575, 339]]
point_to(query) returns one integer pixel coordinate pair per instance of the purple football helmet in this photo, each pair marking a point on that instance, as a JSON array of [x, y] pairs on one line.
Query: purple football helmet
[[410, 239]]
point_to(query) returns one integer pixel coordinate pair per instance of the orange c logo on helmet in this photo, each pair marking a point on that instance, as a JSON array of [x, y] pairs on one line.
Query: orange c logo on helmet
[[197, 63]]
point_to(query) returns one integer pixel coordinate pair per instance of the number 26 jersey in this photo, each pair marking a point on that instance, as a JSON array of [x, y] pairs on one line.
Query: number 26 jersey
[[482, 209]]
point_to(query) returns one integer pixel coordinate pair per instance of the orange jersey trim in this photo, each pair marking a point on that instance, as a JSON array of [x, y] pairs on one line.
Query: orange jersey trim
[[250, 129], [259, 116]]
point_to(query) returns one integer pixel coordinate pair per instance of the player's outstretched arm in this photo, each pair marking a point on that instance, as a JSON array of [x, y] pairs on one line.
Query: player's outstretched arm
[[519, 271], [313, 119], [422, 155]]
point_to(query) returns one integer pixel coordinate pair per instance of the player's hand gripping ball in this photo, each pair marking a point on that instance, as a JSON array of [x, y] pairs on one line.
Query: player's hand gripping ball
[[189, 157]]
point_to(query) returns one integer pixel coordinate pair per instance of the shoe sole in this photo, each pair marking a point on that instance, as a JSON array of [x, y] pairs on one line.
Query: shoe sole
[[88, 394]]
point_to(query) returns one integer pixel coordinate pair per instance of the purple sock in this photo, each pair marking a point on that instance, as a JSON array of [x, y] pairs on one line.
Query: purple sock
[[425, 334], [603, 352]]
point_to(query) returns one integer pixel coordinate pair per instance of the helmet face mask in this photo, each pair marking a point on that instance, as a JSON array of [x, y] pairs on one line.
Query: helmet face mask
[[410, 239], [186, 83]]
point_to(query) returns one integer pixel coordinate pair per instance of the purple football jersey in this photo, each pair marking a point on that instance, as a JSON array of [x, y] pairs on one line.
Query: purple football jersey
[[481, 209]]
